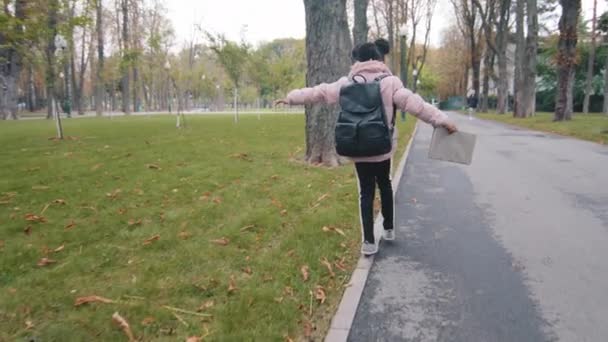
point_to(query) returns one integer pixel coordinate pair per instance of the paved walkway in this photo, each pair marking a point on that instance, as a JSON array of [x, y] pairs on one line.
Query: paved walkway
[[511, 248]]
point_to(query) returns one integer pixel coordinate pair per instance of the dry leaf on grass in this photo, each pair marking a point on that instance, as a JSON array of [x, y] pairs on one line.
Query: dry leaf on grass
[[232, 285], [327, 264], [288, 291], [193, 339], [28, 230], [206, 305], [29, 325], [92, 299], [320, 294], [151, 239], [148, 321], [114, 194], [135, 222], [288, 339], [153, 167], [59, 201], [59, 249], [307, 329], [246, 228], [276, 203], [340, 265], [96, 167], [247, 270], [304, 271], [40, 187], [123, 325], [70, 225], [283, 212], [45, 262], [34, 218], [184, 235], [333, 229], [222, 242]]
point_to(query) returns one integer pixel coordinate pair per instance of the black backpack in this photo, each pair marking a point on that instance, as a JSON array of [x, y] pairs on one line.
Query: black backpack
[[362, 129]]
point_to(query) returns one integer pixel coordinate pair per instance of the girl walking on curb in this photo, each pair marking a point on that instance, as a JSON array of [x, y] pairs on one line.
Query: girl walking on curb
[[374, 169]]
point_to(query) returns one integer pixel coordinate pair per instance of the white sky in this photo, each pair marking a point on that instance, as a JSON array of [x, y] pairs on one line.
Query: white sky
[[266, 20]]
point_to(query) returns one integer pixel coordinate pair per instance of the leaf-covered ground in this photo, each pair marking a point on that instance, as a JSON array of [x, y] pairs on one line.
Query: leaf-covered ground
[[216, 231]]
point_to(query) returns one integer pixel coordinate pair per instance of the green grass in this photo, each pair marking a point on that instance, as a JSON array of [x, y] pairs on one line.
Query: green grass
[[128, 179], [592, 127]]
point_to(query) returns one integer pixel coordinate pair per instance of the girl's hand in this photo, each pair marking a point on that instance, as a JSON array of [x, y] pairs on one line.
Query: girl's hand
[[280, 102], [450, 127]]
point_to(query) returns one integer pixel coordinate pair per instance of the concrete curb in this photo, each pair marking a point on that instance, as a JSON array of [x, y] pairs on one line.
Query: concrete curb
[[343, 319]]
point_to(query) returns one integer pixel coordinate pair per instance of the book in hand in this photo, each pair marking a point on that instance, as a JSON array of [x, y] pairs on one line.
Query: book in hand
[[456, 147]]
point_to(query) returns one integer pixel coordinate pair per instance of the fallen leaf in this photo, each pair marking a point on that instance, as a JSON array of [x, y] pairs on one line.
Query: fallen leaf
[[148, 320], [288, 339], [59, 201], [283, 212], [138, 191], [217, 200], [339, 231], [326, 263], [222, 242], [320, 294], [206, 305], [121, 211], [279, 300], [34, 218], [251, 226], [134, 222], [276, 203], [193, 339], [304, 271], [307, 329], [1, 244], [340, 265], [124, 325], [92, 299], [70, 225], [327, 229], [29, 325], [184, 235], [58, 249], [40, 187], [151, 239], [28, 230], [291, 252], [247, 270], [46, 261], [153, 167], [274, 177], [96, 167], [68, 154], [232, 285], [324, 196], [288, 291], [114, 194]]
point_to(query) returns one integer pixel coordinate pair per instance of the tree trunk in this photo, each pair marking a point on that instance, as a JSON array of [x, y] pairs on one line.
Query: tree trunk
[[31, 89], [566, 58], [487, 73], [605, 106], [527, 92], [502, 34], [591, 61], [10, 68], [360, 28], [126, 53], [135, 32], [390, 26], [328, 47], [99, 86], [518, 81]]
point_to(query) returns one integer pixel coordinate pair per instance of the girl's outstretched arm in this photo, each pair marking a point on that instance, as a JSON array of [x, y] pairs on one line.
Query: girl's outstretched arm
[[323, 93]]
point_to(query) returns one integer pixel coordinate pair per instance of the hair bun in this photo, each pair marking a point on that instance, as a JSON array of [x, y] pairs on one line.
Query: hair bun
[[383, 46]]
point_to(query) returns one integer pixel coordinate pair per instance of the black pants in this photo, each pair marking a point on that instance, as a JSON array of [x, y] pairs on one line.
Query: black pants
[[369, 174]]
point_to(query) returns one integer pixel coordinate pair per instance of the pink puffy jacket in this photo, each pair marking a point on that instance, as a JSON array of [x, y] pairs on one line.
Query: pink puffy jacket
[[393, 94]]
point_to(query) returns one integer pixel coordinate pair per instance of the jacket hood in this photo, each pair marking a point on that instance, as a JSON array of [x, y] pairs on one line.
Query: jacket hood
[[369, 67]]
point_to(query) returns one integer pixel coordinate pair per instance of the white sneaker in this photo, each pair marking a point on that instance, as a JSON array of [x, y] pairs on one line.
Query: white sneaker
[[388, 234], [369, 248]]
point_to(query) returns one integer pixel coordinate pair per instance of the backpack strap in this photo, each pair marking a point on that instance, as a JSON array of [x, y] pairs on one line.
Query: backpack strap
[[354, 78], [378, 79]]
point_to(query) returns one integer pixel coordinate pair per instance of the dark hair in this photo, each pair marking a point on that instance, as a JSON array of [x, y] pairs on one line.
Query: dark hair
[[368, 52], [383, 46], [354, 55]]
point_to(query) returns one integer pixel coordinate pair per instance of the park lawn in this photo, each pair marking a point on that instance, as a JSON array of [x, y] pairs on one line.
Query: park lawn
[[592, 127], [204, 231]]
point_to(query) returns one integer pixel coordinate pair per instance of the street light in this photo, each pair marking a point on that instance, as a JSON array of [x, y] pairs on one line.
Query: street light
[[167, 67], [62, 45]]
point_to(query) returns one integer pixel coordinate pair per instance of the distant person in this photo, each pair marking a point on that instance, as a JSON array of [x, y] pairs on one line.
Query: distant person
[[375, 169]]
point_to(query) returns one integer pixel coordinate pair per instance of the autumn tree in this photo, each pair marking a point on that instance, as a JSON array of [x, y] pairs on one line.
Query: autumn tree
[[566, 58]]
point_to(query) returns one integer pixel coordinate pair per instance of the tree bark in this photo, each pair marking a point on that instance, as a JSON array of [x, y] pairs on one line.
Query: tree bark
[[11, 66], [360, 28], [518, 81], [126, 53], [566, 58], [99, 86], [328, 47], [591, 60], [605, 105], [526, 106], [50, 57], [502, 42]]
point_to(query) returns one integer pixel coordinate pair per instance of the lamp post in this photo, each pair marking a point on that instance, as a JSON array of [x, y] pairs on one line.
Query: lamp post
[[167, 67], [402, 61], [60, 44]]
